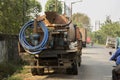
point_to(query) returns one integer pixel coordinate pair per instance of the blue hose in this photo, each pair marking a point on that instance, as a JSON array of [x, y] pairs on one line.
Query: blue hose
[[29, 48]]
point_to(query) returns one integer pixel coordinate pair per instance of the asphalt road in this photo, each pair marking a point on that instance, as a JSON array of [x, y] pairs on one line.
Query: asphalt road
[[95, 66]]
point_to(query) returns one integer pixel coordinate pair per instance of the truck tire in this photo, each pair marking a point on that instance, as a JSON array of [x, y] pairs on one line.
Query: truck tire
[[33, 70], [79, 63], [36, 71], [84, 44], [40, 71], [69, 70], [73, 70]]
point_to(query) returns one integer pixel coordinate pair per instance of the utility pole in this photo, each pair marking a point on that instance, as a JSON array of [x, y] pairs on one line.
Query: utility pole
[[95, 25], [55, 5], [74, 3], [99, 24]]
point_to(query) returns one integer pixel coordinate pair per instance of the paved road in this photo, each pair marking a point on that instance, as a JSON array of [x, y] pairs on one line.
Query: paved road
[[95, 66]]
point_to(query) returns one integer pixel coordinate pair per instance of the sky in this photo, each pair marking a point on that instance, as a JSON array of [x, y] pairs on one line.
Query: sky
[[96, 10]]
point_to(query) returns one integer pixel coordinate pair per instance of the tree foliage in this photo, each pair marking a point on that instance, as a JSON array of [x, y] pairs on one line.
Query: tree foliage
[[81, 20], [108, 28], [50, 6], [14, 12]]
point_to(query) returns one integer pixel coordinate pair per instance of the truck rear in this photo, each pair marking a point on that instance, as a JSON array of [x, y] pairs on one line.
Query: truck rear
[[84, 36], [60, 48]]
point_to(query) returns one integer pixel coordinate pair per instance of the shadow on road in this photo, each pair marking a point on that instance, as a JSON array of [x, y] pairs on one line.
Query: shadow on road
[[60, 75]]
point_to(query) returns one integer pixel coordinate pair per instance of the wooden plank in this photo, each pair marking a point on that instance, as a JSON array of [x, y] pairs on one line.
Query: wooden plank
[[66, 66]]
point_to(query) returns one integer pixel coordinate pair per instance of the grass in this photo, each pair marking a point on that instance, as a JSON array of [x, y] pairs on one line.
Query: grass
[[8, 69], [14, 78], [17, 72], [19, 75]]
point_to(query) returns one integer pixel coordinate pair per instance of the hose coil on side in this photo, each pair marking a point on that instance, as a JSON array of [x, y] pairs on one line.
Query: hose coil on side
[[29, 48]]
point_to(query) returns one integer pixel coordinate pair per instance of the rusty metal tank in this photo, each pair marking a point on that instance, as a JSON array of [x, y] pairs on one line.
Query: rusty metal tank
[[54, 20]]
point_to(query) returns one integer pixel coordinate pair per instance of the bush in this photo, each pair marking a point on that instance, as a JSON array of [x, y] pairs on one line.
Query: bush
[[7, 69]]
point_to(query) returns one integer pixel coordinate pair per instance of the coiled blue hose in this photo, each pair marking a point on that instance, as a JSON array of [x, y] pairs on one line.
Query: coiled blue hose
[[29, 48]]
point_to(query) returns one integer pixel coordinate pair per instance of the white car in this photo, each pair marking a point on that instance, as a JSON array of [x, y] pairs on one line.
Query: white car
[[110, 42]]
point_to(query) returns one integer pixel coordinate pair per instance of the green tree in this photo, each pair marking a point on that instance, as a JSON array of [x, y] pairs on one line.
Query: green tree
[[81, 20], [108, 28], [51, 5], [111, 29], [13, 12]]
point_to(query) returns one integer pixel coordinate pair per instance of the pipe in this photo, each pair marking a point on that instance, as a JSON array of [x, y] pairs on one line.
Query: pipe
[[29, 48]]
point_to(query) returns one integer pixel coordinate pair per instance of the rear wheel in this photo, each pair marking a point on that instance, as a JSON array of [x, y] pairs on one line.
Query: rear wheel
[[73, 70], [40, 71], [34, 70], [79, 63], [79, 60], [69, 70]]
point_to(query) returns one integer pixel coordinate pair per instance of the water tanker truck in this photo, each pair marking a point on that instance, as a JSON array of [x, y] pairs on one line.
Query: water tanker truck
[[53, 42]]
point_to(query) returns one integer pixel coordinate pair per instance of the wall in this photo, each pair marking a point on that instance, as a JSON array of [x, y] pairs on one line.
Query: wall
[[8, 48]]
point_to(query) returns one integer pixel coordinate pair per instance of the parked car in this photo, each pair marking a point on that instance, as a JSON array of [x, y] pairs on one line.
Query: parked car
[[111, 42], [117, 43]]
